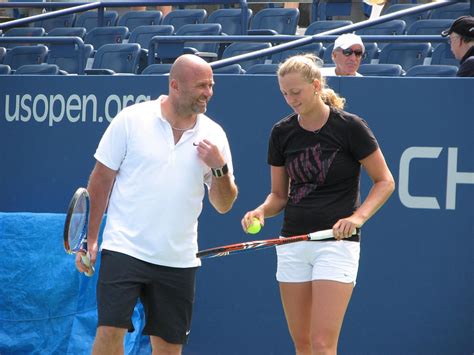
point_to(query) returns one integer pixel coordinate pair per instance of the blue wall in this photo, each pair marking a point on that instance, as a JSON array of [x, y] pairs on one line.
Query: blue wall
[[414, 292]]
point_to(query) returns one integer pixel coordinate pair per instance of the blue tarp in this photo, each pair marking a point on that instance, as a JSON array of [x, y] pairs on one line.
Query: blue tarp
[[46, 306]]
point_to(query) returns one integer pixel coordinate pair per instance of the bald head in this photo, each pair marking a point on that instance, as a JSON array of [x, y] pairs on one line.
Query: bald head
[[188, 65]]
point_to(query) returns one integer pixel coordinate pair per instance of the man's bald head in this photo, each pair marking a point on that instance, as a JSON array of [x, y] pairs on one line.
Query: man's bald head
[[186, 66]]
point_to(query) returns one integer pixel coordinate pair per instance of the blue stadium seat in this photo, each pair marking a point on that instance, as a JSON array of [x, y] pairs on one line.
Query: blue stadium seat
[[429, 27], [5, 69], [201, 29], [238, 48], [21, 55], [123, 58], [316, 48], [275, 20], [323, 26], [409, 19], [393, 27], [23, 32], [432, 71], [405, 54], [99, 36], [133, 19], [66, 56], [326, 9], [380, 70], [270, 69], [230, 20], [3, 51], [68, 31], [60, 21], [327, 54], [157, 69], [178, 18], [90, 19], [230, 69], [143, 34], [38, 69], [451, 11], [442, 55]]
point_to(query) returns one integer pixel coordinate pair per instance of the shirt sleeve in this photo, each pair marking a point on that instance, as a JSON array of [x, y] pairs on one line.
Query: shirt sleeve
[[113, 144], [275, 155], [362, 139], [467, 68]]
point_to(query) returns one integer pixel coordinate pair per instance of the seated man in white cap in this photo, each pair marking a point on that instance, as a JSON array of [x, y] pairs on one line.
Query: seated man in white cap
[[347, 54]]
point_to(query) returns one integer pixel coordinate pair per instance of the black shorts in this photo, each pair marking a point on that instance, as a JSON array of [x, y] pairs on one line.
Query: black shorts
[[167, 295]]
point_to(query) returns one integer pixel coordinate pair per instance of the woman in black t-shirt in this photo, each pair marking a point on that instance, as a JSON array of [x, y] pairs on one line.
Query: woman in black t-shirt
[[315, 156]]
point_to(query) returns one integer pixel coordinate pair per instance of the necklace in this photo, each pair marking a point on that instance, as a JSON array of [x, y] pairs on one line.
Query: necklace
[[182, 129], [315, 131]]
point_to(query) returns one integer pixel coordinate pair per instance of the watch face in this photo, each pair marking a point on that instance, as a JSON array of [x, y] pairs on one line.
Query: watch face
[[220, 172]]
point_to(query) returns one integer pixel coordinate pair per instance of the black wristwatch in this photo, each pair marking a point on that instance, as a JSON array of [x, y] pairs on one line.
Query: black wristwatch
[[220, 172]]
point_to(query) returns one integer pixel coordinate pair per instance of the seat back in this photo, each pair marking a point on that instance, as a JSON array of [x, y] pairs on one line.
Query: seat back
[[5, 69], [18, 56], [66, 56], [451, 11], [38, 69], [157, 69], [429, 27], [3, 51], [409, 19], [393, 27], [432, 71], [405, 54], [201, 29], [323, 26], [99, 36], [326, 9], [143, 34], [230, 20], [238, 48], [442, 55], [270, 68], [60, 21], [23, 32], [68, 31], [315, 48], [380, 70], [121, 58], [179, 18], [134, 19], [230, 69], [90, 19], [281, 20]]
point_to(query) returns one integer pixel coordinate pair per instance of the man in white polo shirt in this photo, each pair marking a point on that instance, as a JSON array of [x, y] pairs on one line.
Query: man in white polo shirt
[[347, 55], [153, 163]]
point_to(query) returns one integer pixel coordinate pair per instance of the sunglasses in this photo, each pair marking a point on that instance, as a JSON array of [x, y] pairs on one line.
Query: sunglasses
[[348, 52]]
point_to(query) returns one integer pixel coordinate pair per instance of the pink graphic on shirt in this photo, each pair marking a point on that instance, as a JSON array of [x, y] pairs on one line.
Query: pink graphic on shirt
[[308, 171]]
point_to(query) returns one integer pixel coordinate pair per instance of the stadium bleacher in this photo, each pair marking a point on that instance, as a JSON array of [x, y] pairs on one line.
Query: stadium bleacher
[[140, 26]]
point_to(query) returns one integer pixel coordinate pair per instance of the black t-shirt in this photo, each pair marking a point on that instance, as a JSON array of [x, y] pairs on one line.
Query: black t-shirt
[[323, 167], [466, 67]]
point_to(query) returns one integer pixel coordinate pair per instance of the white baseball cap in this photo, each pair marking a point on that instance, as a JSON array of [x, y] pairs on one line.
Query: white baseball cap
[[347, 40]]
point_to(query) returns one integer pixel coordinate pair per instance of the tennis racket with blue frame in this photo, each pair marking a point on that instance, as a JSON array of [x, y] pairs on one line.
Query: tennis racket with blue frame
[[75, 227]]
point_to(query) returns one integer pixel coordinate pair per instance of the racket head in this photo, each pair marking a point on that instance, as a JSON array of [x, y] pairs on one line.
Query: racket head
[[77, 220]]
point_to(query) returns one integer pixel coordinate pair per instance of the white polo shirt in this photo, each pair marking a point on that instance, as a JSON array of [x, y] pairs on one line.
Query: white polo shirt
[[158, 192], [331, 71]]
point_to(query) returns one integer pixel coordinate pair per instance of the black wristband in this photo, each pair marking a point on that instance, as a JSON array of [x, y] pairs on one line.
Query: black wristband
[[220, 172]]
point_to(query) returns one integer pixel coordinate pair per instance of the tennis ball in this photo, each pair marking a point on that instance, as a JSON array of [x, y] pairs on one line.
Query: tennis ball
[[255, 227]]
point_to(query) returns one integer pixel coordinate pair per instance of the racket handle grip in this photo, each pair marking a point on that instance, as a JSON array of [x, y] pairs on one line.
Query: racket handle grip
[[86, 260], [324, 234]]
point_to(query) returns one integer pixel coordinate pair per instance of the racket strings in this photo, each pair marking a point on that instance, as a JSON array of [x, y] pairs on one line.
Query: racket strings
[[77, 224]]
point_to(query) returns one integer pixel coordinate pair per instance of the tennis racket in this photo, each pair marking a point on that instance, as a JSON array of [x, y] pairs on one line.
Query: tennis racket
[[262, 244], [75, 228]]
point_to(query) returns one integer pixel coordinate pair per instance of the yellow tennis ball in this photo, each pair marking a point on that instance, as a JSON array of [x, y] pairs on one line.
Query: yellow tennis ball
[[255, 227]]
